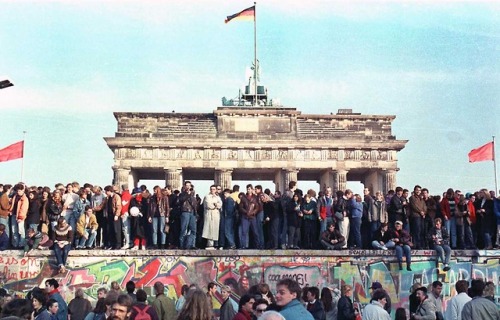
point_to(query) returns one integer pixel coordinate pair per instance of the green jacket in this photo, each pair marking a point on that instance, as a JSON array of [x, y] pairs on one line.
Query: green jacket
[[165, 307]]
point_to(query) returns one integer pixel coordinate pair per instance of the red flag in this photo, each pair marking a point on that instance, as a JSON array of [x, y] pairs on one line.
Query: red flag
[[12, 152], [482, 153]]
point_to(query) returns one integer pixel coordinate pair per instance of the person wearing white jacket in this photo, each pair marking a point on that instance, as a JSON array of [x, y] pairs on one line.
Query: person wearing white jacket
[[375, 310], [456, 304]]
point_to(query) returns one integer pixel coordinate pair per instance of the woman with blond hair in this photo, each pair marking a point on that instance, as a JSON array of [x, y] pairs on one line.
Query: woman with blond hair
[[196, 307], [345, 308]]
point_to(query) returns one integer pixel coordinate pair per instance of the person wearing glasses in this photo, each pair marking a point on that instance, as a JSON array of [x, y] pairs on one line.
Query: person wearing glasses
[[259, 307]]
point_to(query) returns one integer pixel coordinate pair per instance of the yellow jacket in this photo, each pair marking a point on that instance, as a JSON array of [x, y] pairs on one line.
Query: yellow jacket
[[80, 225]]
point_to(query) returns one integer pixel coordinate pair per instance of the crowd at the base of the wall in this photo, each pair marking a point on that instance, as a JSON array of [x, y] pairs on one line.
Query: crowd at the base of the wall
[[290, 302], [73, 217]]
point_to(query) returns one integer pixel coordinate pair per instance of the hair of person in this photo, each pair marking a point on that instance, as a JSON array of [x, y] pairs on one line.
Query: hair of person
[[21, 308], [249, 186], [19, 186], [100, 306], [124, 300], [267, 191], [292, 285], [378, 294], [477, 287], [244, 300], [399, 189], [314, 291], [259, 301], [159, 287], [400, 314], [226, 288], [141, 295], [417, 187], [438, 220], [258, 187], [462, 286], [425, 190], [423, 289], [236, 188], [327, 299], [489, 289], [437, 283], [109, 188], [292, 184], [40, 296], [52, 282], [115, 285], [347, 191], [277, 192], [196, 306], [79, 293], [211, 285], [102, 289], [51, 302], [344, 288], [111, 297], [271, 315], [130, 286], [184, 289], [60, 220]]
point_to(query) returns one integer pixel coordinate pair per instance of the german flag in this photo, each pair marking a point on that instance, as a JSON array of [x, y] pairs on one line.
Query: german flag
[[245, 15]]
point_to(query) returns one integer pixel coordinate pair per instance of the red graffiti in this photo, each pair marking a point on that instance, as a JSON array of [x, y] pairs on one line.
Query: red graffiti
[[80, 278], [151, 271]]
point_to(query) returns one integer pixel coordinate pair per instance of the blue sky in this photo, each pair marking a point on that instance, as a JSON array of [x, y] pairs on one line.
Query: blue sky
[[435, 65]]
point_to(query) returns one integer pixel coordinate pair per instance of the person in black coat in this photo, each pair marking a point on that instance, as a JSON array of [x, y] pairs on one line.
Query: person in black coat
[[345, 308], [314, 305]]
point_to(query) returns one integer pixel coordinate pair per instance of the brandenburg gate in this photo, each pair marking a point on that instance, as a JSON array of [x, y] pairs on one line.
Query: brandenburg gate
[[256, 143]]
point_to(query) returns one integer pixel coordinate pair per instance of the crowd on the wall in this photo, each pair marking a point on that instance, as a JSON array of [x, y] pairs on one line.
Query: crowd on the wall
[[77, 217], [289, 302]]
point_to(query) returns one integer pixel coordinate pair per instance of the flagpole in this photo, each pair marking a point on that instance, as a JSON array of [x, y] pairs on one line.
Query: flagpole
[[495, 166], [22, 158], [255, 52]]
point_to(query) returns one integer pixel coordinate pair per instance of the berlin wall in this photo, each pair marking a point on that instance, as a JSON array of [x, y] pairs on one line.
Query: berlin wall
[[92, 270]]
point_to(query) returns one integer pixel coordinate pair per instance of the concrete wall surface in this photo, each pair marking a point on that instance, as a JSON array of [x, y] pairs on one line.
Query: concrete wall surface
[[240, 269]]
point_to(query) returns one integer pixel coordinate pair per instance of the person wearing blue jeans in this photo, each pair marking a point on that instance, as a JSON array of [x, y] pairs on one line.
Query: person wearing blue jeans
[[5, 208], [402, 240], [62, 237], [260, 215], [86, 229], [226, 229], [188, 204], [249, 207], [356, 213], [440, 239], [158, 215]]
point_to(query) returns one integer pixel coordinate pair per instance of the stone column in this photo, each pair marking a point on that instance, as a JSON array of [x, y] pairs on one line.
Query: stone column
[[389, 180], [121, 176], [224, 178], [279, 181], [290, 175], [326, 180], [339, 180], [173, 178]]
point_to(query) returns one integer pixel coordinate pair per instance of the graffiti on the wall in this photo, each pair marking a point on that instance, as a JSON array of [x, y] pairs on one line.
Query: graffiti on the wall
[[20, 274]]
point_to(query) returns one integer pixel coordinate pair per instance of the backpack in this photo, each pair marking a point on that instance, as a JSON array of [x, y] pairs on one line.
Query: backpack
[[142, 314]]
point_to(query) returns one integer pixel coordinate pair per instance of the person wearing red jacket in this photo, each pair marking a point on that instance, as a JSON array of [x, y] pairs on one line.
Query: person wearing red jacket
[[126, 197], [448, 205], [245, 308]]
